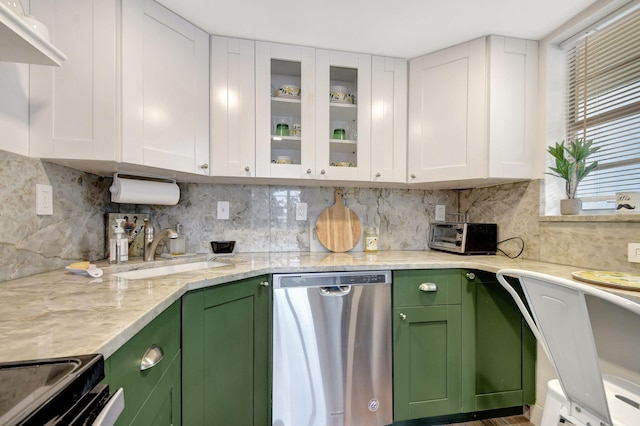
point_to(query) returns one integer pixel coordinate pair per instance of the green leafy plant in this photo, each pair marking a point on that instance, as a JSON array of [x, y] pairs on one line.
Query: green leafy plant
[[571, 163]]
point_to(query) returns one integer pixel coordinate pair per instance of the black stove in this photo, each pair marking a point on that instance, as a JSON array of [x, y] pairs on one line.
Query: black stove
[[57, 391]]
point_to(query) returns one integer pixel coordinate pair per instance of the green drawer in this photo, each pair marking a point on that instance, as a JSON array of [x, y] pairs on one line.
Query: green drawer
[[124, 365], [406, 287]]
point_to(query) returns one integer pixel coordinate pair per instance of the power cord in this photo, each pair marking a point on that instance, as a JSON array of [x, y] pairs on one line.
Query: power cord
[[509, 239]]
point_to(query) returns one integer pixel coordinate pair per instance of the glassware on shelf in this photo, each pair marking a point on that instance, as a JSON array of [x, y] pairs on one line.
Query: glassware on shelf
[[282, 129], [339, 134]]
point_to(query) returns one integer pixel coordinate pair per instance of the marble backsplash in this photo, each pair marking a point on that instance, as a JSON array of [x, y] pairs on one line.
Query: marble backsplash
[[262, 218]]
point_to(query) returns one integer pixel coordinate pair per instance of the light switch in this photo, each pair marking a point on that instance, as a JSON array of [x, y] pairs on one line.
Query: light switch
[[223, 210], [44, 200], [440, 212], [301, 211]]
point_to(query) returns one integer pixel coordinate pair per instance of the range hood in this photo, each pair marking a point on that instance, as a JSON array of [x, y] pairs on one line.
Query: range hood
[[19, 43]]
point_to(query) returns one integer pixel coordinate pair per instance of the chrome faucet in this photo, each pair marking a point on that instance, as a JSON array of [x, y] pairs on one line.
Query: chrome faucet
[[151, 243]]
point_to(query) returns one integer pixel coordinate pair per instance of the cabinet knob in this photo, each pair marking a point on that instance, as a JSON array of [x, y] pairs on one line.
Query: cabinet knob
[[403, 316], [322, 172], [308, 171], [204, 166], [151, 357], [264, 283], [428, 287], [471, 275], [247, 168], [378, 174], [413, 175]]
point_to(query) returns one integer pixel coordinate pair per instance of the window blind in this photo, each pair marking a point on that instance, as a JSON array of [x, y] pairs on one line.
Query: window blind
[[603, 104]]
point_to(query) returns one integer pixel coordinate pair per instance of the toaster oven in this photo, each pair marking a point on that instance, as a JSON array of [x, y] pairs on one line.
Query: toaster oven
[[464, 238]]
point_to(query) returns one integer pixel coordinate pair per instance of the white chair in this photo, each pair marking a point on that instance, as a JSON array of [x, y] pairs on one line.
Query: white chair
[[559, 319]]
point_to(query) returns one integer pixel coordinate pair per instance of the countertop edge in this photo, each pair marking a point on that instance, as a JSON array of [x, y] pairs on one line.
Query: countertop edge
[[114, 310]]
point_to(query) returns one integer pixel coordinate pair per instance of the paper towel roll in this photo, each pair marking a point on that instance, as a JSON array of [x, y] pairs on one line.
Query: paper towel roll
[[132, 191]]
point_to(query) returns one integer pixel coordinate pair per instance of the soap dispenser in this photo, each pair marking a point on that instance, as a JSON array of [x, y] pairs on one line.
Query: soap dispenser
[[177, 245], [118, 244]]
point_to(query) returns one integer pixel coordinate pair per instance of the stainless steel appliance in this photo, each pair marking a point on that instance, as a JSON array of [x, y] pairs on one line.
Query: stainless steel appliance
[[332, 349], [57, 391], [464, 238]]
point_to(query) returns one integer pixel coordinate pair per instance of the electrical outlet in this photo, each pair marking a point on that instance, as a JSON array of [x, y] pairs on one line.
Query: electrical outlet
[[301, 211], [44, 200], [633, 252], [440, 212], [223, 210]]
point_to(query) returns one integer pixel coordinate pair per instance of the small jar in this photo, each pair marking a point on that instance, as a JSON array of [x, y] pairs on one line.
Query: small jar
[[371, 240]]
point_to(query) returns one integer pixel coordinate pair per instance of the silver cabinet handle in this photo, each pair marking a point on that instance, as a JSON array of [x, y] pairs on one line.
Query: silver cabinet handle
[[471, 275], [428, 287], [308, 171], [247, 168], [322, 172], [413, 175], [378, 174], [264, 283], [204, 166], [151, 357], [403, 316]]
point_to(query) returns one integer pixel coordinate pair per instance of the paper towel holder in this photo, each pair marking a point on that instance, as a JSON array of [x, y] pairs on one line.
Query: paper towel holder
[[141, 177]]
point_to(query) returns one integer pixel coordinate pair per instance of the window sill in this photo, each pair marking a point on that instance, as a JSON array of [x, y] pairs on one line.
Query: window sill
[[612, 217]]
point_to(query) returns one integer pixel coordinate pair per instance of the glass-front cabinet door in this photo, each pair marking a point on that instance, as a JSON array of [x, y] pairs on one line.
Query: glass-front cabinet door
[[343, 116], [285, 111]]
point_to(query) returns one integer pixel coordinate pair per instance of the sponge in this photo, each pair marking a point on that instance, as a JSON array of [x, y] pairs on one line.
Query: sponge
[[80, 265]]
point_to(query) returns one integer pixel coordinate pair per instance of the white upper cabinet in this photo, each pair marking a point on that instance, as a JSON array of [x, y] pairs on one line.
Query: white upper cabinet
[[388, 120], [343, 123], [146, 103], [233, 137], [165, 89], [472, 112], [73, 109], [285, 118]]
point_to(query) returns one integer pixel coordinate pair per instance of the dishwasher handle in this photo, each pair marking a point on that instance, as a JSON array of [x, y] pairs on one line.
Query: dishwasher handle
[[335, 290]]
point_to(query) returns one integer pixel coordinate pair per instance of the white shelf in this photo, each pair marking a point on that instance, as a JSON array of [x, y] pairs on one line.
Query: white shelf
[[19, 43], [342, 105], [287, 100], [285, 142], [343, 146]]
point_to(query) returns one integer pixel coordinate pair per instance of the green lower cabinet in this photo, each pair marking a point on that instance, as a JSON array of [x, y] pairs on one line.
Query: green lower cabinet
[[498, 347], [225, 354], [426, 344], [148, 391], [460, 345]]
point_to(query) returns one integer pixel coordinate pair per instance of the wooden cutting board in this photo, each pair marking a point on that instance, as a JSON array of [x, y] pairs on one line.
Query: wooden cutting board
[[338, 228]]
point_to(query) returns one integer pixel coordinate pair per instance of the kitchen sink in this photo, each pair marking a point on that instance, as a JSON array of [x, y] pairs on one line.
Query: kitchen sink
[[168, 270]]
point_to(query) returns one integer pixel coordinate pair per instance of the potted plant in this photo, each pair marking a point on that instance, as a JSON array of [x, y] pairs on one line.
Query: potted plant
[[571, 165]]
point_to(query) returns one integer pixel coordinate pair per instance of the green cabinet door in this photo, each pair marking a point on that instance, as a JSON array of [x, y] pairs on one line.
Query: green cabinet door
[[426, 363], [497, 345], [225, 353]]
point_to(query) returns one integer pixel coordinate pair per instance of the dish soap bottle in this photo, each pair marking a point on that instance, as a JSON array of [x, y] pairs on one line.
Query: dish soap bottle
[[177, 245], [371, 240], [118, 244]]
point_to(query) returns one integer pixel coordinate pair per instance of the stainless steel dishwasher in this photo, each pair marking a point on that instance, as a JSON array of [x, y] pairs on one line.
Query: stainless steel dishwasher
[[332, 349]]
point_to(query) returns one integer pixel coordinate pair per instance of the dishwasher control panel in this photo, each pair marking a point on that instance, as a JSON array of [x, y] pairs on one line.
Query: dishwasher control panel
[[325, 279]]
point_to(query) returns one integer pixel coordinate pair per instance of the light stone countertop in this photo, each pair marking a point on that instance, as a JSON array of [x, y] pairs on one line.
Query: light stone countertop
[[61, 314]]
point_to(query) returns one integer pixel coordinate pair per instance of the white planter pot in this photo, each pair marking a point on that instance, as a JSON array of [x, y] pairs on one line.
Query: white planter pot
[[572, 206]]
